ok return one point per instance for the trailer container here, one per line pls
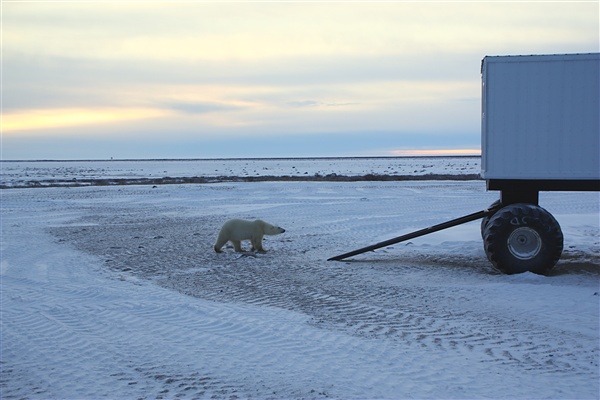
(540, 123)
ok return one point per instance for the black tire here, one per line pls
(523, 237)
(484, 222)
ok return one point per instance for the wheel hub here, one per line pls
(524, 243)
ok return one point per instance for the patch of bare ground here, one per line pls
(225, 179)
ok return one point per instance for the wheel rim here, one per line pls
(524, 243)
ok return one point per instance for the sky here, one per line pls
(201, 79)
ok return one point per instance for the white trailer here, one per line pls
(540, 131)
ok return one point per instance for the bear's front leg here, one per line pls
(257, 245)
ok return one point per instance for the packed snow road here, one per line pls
(116, 292)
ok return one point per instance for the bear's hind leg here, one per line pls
(221, 240)
(218, 245)
(237, 245)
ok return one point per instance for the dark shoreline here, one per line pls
(224, 179)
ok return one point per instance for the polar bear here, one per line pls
(236, 230)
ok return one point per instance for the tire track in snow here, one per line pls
(393, 314)
(415, 300)
(406, 313)
(112, 346)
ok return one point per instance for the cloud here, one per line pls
(314, 103)
(49, 119)
(210, 71)
(199, 108)
(303, 103)
(234, 32)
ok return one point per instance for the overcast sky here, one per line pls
(140, 79)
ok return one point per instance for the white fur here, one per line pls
(236, 230)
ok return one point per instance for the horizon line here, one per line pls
(433, 155)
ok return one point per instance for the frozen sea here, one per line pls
(114, 291)
(85, 173)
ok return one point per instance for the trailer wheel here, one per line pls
(486, 220)
(523, 237)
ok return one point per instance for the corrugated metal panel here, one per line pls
(540, 117)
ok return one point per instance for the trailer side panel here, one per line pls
(540, 117)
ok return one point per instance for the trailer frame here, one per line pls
(422, 232)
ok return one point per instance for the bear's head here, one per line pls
(273, 230)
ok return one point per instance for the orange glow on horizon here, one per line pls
(62, 118)
(438, 152)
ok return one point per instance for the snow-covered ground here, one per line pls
(115, 292)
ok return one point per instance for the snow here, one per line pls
(115, 292)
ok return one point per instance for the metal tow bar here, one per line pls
(422, 232)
